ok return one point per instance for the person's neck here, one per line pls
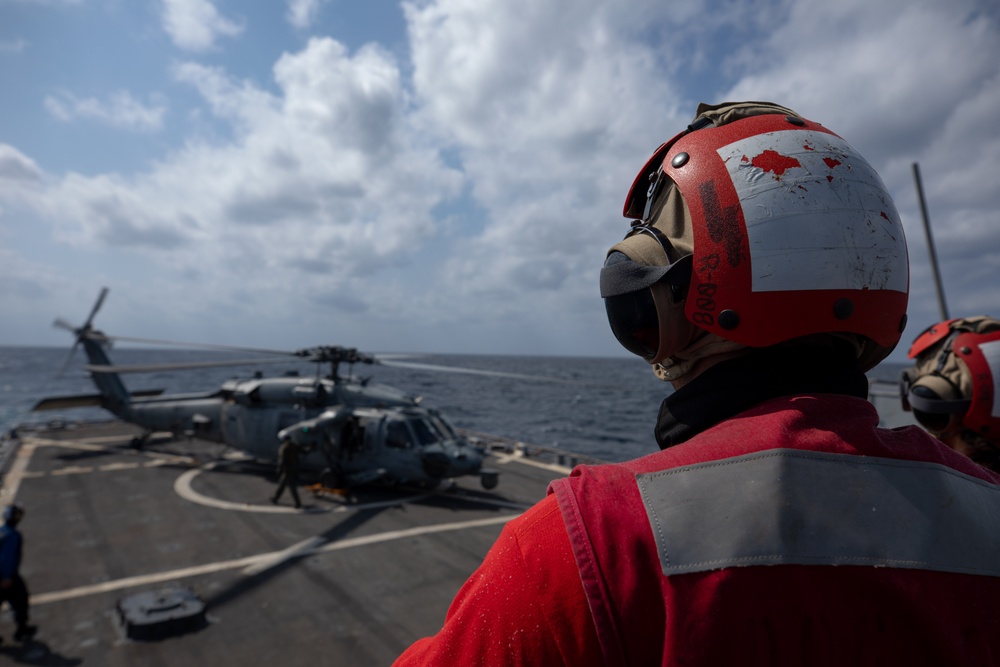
(738, 384)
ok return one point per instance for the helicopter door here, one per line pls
(286, 419)
(397, 435)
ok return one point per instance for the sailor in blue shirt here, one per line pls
(12, 588)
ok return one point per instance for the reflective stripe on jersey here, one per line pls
(815, 218)
(991, 352)
(787, 506)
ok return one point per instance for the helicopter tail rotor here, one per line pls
(79, 332)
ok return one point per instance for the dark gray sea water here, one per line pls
(611, 419)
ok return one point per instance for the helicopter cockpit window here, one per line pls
(397, 435)
(425, 433)
(443, 427)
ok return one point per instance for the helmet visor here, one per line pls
(629, 301)
(634, 322)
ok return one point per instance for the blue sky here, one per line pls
(438, 175)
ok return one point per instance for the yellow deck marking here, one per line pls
(518, 457)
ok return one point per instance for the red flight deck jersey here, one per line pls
(794, 533)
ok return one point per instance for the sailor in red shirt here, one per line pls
(765, 270)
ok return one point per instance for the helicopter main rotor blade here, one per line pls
(60, 323)
(97, 307)
(206, 346)
(502, 374)
(156, 368)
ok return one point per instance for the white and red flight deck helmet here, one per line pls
(756, 226)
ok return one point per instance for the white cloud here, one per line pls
(322, 187)
(302, 13)
(194, 25)
(17, 168)
(551, 108)
(120, 110)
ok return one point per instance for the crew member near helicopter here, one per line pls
(12, 586)
(345, 444)
(288, 471)
(766, 270)
(953, 386)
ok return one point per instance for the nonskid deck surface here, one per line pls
(336, 583)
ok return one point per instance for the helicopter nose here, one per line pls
(436, 464)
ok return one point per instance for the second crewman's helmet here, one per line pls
(954, 383)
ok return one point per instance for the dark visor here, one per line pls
(625, 286)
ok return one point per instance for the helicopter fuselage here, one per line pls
(400, 441)
(355, 430)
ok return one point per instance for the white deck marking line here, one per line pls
(211, 568)
(12, 481)
(121, 466)
(183, 488)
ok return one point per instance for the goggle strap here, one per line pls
(660, 237)
(654, 187)
(657, 182)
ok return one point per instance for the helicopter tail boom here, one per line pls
(114, 397)
(85, 400)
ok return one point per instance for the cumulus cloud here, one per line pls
(321, 183)
(120, 110)
(547, 125)
(194, 25)
(302, 13)
(16, 167)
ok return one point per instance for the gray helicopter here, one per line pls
(350, 431)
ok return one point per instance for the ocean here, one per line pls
(608, 412)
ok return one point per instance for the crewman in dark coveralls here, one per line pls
(288, 471)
